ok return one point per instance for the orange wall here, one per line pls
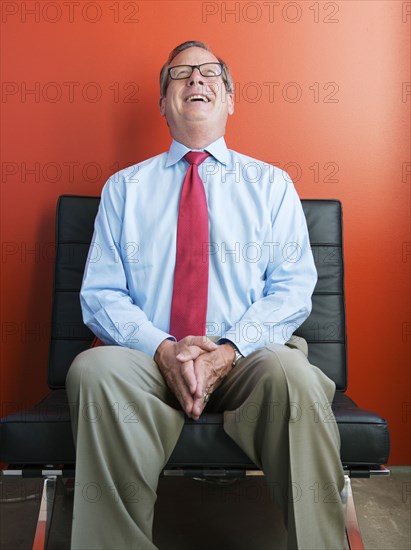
(320, 85)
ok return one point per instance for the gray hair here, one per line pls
(164, 78)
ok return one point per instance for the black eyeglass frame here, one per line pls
(221, 65)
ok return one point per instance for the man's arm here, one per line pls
(108, 309)
(289, 279)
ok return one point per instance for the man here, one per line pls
(159, 278)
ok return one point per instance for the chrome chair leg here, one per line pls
(45, 514)
(351, 522)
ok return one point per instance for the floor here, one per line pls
(193, 514)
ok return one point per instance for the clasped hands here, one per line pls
(192, 367)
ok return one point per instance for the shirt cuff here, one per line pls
(150, 338)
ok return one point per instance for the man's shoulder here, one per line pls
(236, 156)
(131, 172)
(257, 170)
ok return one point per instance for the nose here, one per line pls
(195, 78)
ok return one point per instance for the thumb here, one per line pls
(189, 353)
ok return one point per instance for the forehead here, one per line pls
(194, 56)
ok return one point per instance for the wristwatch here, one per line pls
(237, 354)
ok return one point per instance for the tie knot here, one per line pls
(196, 157)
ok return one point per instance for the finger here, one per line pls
(198, 407)
(201, 341)
(184, 397)
(199, 368)
(190, 353)
(187, 404)
(178, 386)
(189, 376)
(204, 343)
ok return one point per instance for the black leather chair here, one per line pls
(38, 441)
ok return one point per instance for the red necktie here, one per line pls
(190, 291)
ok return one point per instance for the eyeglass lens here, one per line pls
(185, 71)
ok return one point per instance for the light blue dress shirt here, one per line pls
(261, 269)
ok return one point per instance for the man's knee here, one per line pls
(107, 367)
(265, 370)
(94, 366)
(272, 362)
(283, 366)
(302, 378)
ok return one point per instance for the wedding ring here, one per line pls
(206, 397)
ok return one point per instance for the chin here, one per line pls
(197, 117)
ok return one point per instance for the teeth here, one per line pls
(198, 97)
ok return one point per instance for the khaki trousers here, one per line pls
(126, 423)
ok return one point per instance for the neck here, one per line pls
(196, 138)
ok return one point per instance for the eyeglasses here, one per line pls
(209, 70)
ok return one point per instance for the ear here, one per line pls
(230, 100)
(162, 106)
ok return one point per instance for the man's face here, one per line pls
(197, 99)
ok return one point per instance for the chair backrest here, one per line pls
(324, 329)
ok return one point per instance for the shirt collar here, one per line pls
(218, 149)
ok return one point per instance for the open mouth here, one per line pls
(197, 97)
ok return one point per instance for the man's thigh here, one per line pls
(117, 367)
(284, 367)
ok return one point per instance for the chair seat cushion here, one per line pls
(42, 435)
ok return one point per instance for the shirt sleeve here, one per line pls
(290, 279)
(108, 309)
